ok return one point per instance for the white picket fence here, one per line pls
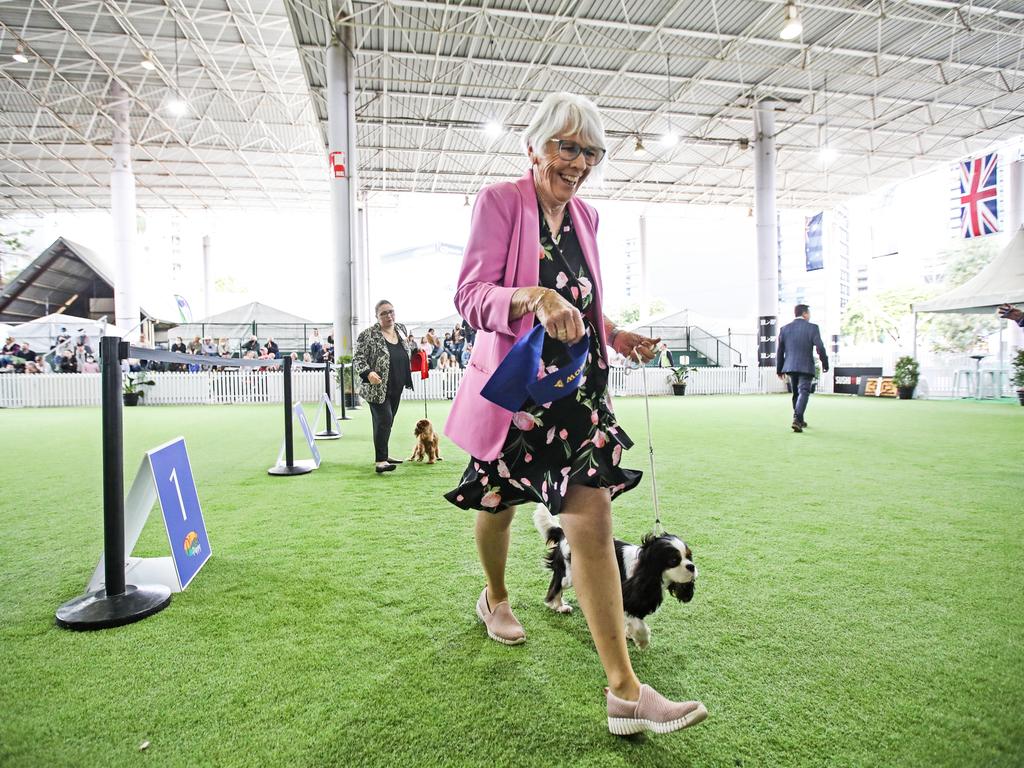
(253, 386)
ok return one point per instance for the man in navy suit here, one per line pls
(795, 356)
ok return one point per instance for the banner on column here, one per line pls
(766, 339)
(812, 242)
(314, 463)
(165, 475)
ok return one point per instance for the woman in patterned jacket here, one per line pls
(381, 360)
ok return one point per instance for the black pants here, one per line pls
(800, 383)
(383, 419)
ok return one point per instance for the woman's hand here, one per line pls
(373, 378)
(626, 342)
(561, 320)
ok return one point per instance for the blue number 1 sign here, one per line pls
(165, 475)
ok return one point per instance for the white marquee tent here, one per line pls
(42, 332)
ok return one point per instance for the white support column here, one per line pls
(341, 138)
(1015, 219)
(767, 229)
(362, 312)
(206, 276)
(644, 298)
(122, 208)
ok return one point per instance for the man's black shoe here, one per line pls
(797, 427)
(803, 424)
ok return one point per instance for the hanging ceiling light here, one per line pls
(19, 54)
(177, 107)
(793, 27)
(494, 128)
(638, 148)
(828, 154)
(147, 62)
(670, 138)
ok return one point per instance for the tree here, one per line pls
(12, 253)
(958, 333)
(631, 314)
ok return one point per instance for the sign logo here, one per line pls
(192, 547)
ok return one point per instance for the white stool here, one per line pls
(990, 385)
(963, 379)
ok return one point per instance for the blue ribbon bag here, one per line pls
(515, 379)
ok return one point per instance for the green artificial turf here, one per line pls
(859, 600)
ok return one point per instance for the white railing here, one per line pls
(249, 386)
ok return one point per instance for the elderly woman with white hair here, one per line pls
(532, 260)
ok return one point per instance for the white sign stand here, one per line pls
(313, 463)
(332, 423)
(141, 497)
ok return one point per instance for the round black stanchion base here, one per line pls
(96, 610)
(286, 471)
(327, 434)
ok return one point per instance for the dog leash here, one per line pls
(658, 530)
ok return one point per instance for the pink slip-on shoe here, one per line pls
(651, 712)
(501, 623)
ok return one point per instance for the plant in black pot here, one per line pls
(678, 378)
(132, 387)
(1018, 374)
(345, 379)
(905, 377)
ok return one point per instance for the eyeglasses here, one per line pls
(570, 150)
(386, 313)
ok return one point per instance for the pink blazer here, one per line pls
(503, 254)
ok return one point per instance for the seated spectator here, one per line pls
(467, 351)
(67, 362)
(90, 365)
(329, 348)
(265, 354)
(223, 347)
(306, 357)
(179, 346)
(469, 332)
(63, 336)
(443, 362)
(34, 367)
(208, 347)
(195, 346)
(316, 347)
(252, 344)
(272, 347)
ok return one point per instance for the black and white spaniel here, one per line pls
(659, 563)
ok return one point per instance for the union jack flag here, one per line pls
(979, 200)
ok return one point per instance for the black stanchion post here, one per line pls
(341, 383)
(117, 603)
(329, 432)
(355, 396)
(288, 468)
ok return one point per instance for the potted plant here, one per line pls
(132, 389)
(905, 377)
(678, 378)
(346, 382)
(1018, 374)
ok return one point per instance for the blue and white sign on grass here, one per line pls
(313, 463)
(165, 475)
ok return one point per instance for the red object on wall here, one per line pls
(338, 165)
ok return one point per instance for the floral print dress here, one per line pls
(571, 441)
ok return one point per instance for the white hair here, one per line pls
(566, 114)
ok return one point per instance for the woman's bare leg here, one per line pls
(586, 518)
(492, 538)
